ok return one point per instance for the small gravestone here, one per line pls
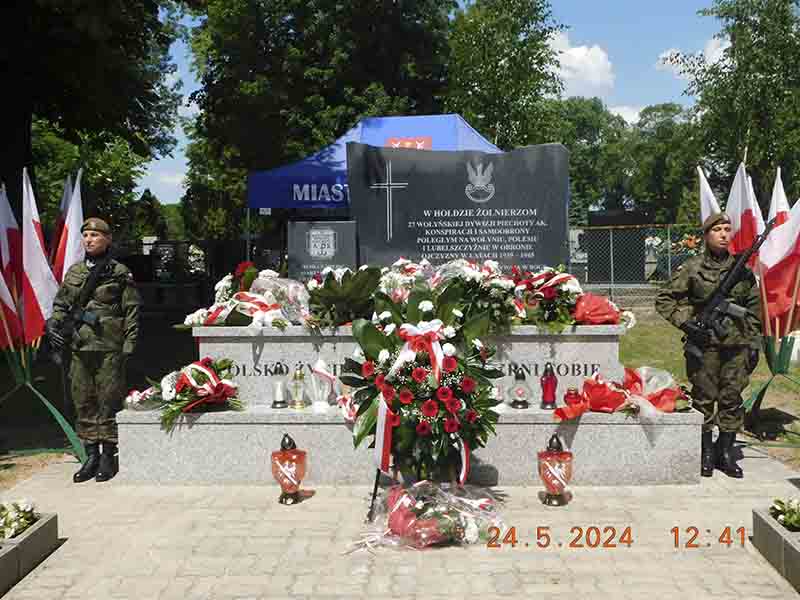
(316, 245)
(510, 207)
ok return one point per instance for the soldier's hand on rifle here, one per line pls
(695, 333)
(54, 336)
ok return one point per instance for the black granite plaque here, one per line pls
(511, 207)
(319, 244)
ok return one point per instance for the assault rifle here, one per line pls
(712, 320)
(76, 315)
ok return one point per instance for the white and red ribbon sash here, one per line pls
(213, 391)
(556, 280)
(383, 436)
(464, 473)
(249, 304)
(424, 337)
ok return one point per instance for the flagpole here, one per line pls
(763, 290)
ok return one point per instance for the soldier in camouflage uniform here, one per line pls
(724, 371)
(100, 346)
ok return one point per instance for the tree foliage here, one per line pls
(502, 68)
(92, 68)
(749, 100)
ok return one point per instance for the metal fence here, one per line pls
(629, 263)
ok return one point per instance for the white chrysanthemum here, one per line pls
(502, 283)
(426, 306)
(449, 332)
(385, 316)
(198, 317)
(383, 355)
(389, 329)
(458, 313)
(572, 286)
(168, 383)
(268, 274)
(223, 290)
(449, 349)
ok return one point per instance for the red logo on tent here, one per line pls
(412, 143)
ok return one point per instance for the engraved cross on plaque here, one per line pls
(389, 185)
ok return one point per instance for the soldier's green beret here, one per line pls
(715, 219)
(95, 224)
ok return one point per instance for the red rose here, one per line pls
(550, 293)
(453, 405)
(468, 385)
(423, 428)
(406, 397)
(419, 374)
(242, 267)
(449, 364)
(368, 369)
(182, 383)
(430, 408)
(388, 392)
(451, 425)
(379, 380)
(444, 394)
(317, 277)
(394, 419)
(471, 416)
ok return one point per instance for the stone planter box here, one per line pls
(778, 545)
(31, 547)
(234, 447)
(9, 567)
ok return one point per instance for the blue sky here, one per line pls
(611, 50)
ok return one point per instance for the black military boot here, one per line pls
(89, 469)
(725, 461)
(108, 462)
(707, 455)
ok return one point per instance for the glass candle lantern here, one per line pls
(297, 389)
(289, 469)
(549, 383)
(520, 392)
(555, 470)
(572, 397)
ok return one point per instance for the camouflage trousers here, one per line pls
(97, 384)
(717, 383)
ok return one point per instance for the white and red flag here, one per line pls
(66, 196)
(39, 286)
(11, 328)
(745, 214)
(780, 262)
(10, 243)
(69, 249)
(708, 202)
(779, 206)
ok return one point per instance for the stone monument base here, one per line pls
(235, 447)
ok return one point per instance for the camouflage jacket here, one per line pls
(691, 288)
(115, 302)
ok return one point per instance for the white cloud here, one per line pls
(713, 51)
(629, 113)
(585, 70)
(171, 179)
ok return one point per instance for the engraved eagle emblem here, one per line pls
(480, 188)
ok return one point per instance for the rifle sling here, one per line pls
(90, 285)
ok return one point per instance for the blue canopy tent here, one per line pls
(320, 180)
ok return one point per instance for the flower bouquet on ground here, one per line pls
(200, 386)
(422, 387)
(645, 392)
(16, 517)
(427, 514)
(787, 513)
(339, 296)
